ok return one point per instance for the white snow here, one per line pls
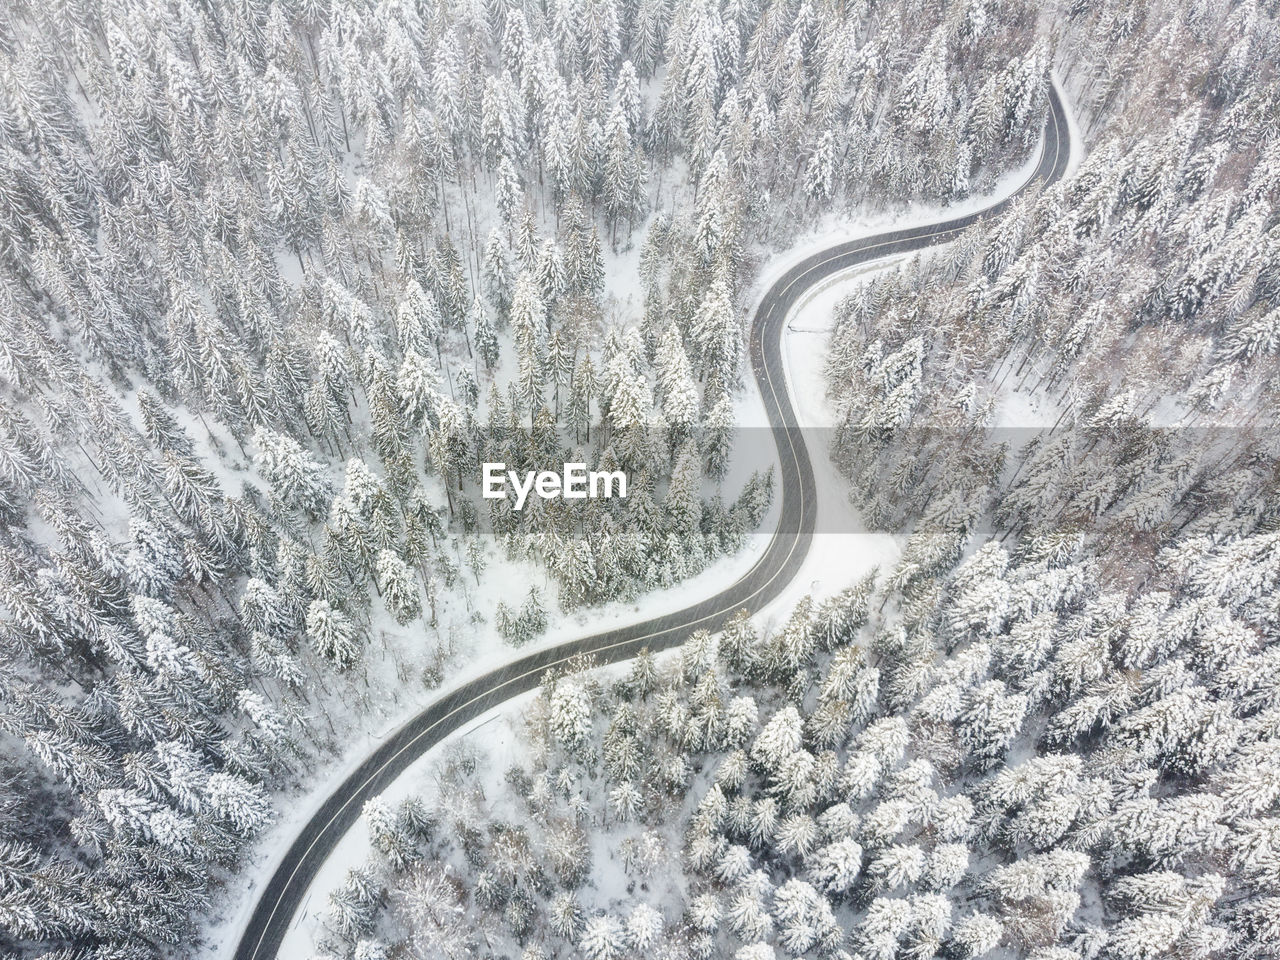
(1073, 125)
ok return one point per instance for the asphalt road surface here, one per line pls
(774, 570)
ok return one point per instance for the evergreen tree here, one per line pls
(332, 634)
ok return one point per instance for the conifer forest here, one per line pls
(927, 353)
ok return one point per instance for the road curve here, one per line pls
(780, 562)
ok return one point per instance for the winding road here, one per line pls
(781, 561)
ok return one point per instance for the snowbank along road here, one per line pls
(780, 562)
